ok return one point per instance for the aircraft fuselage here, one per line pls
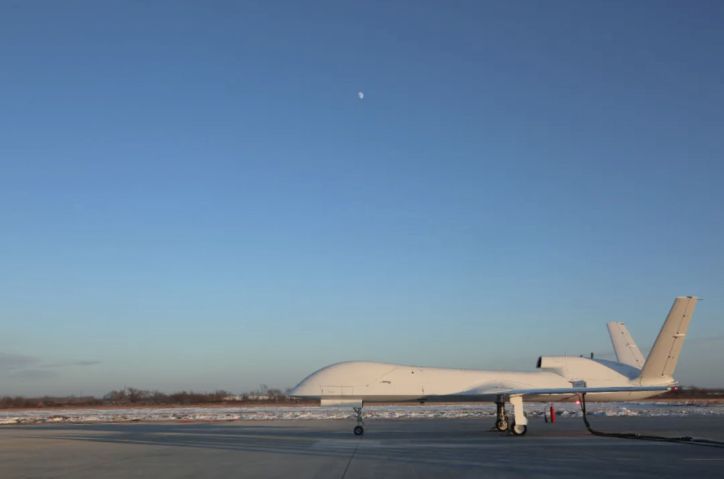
(378, 382)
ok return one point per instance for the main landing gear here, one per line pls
(501, 421)
(519, 426)
(520, 422)
(359, 428)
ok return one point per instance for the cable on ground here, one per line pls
(646, 437)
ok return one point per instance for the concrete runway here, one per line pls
(327, 449)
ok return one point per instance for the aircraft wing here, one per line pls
(494, 392)
(587, 390)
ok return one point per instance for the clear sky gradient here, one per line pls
(193, 196)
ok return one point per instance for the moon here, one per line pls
(361, 95)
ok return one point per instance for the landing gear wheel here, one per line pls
(502, 424)
(518, 430)
(358, 429)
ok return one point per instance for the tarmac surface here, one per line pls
(389, 448)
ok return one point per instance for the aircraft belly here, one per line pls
(391, 398)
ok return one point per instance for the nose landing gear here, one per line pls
(359, 428)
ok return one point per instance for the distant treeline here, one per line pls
(141, 397)
(693, 393)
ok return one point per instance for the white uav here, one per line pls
(358, 382)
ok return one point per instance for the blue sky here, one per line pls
(192, 195)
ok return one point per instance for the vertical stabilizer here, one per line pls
(623, 344)
(661, 362)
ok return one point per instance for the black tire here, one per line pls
(358, 430)
(502, 424)
(518, 430)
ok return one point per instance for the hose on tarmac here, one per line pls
(646, 437)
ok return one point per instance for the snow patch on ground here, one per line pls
(271, 413)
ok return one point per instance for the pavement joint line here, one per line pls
(350, 460)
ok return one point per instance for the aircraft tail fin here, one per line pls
(623, 344)
(661, 361)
